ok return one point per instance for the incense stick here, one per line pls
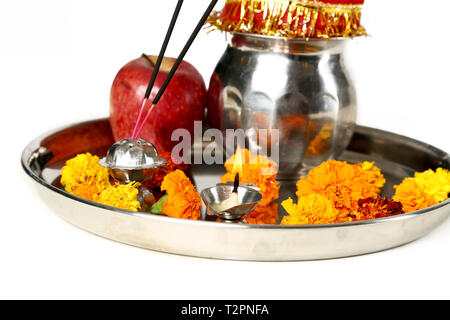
(178, 62)
(158, 64)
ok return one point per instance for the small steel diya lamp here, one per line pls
(232, 201)
(247, 199)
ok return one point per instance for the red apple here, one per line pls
(182, 103)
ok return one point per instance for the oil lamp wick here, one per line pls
(236, 183)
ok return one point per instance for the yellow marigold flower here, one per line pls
(311, 209)
(436, 184)
(342, 183)
(258, 170)
(122, 196)
(412, 196)
(183, 199)
(82, 176)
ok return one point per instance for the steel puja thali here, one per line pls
(397, 156)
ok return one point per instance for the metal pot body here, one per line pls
(299, 91)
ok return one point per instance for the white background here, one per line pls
(57, 62)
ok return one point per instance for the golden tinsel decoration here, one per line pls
(291, 19)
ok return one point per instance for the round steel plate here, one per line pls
(397, 156)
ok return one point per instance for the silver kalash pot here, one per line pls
(300, 87)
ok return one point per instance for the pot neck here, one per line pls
(252, 42)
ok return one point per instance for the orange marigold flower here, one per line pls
(311, 209)
(372, 208)
(342, 183)
(263, 215)
(183, 200)
(122, 196)
(258, 170)
(82, 176)
(412, 196)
